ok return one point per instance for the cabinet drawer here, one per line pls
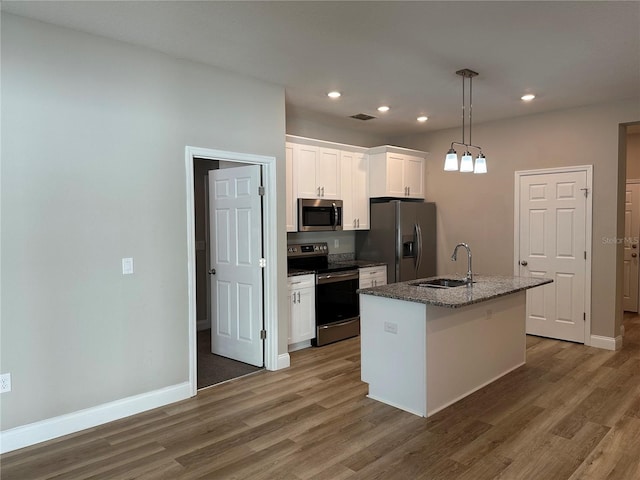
(301, 281)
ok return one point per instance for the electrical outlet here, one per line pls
(5, 382)
(391, 327)
(127, 266)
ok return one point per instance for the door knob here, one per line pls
(212, 271)
(634, 246)
(524, 263)
(634, 255)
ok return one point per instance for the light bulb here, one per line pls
(481, 164)
(451, 161)
(466, 163)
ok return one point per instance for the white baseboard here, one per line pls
(299, 346)
(607, 343)
(50, 428)
(284, 361)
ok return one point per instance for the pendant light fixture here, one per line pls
(466, 162)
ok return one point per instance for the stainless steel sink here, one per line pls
(441, 283)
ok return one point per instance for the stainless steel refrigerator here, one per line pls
(402, 235)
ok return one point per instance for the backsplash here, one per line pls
(341, 257)
(346, 240)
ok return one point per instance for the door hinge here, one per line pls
(261, 190)
(584, 316)
(586, 191)
(585, 254)
(262, 262)
(263, 334)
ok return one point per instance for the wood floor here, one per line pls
(573, 412)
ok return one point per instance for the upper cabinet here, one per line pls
(355, 190)
(396, 172)
(319, 169)
(316, 171)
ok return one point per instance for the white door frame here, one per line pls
(270, 252)
(588, 231)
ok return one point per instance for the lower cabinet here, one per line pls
(373, 276)
(302, 311)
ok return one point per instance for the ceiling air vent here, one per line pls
(362, 116)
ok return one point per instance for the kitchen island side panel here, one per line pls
(470, 347)
(393, 352)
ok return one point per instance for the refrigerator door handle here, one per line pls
(419, 246)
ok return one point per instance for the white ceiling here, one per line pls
(403, 54)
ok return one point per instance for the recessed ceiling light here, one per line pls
(422, 119)
(333, 94)
(383, 108)
(528, 97)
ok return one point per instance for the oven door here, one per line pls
(337, 306)
(315, 215)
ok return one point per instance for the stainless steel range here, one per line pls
(337, 303)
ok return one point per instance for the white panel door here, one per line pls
(631, 247)
(236, 276)
(552, 237)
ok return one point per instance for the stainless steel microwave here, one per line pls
(318, 215)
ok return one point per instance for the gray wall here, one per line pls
(93, 170)
(478, 209)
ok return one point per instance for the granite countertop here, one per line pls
(485, 287)
(358, 263)
(294, 272)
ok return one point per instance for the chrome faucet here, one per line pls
(455, 256)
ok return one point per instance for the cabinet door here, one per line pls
(305, 161)
(306, 319)
(302, 308)
(395, 175)
(291, 207)
(346, 186)
(360, 190)
(328, 173)
(414, 176)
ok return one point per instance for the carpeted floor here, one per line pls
(214, 369)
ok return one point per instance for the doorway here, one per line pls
(553, 215)
(631, 240)
(201, 161)
(215, 365)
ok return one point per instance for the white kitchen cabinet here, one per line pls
(302, 310)
(316, 171)
(355, 190)
(396, 172)
(291, 208)
(373, 276)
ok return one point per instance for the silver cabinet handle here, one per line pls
(409, 190)
(358, 223)
(298, 297)
(318, 189)
(524, 263)
(294, 297)
(323, 191)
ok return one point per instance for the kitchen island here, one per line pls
(424, 348)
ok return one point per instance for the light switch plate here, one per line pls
(127, 266)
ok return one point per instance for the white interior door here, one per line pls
(631, 247)
(235, 225)
(552, 244)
